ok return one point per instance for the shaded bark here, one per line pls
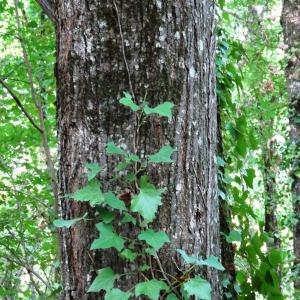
(291, 27)
(170, 50)
(227, 249)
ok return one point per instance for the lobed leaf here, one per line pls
(90, 193)
(163, 155)
(104, 281)
(155, 239)
(108, 238)
(94, 169)
(147, 201)
(198, 287)
(164, 110)
(150, 288)
(127, 101)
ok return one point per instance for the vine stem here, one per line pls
(123, 49)
(164, 275)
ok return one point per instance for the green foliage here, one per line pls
(163, 156)
(26, 202)
(164, 110)
(94, 169)
(150, 288)
(91, 193)
(155, 239)
(198, 287)
(127, 101)
(114, 202)
(67, 223)
(111, 148)
(252, 98)
(104, 280)
(211, 261)
(139, 209)
(148, 200)
(116, 294)
(108, 238)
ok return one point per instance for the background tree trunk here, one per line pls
(291, 28)
(227, 249)
(170, 51)
(269, 171)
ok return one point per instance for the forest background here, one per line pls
(254, 165)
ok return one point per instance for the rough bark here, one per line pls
(170, 50)
(291, 28)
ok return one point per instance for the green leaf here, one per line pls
(249, 178)
(274, 257)
(220, 162)
(212, 261)
(106, 215)
(116, 294)
(133, 157)
(122, 165)
(128, 218)
(150, 288)
(94, 169)
(198, 287)
(65, 223)
(188, 259)
(90, 193)
(104, 281)
(172, 297)
(163, 156)
(234, 236)
(155, 239)
(241, 146)
(221, 3)
(128, 254)
(114, 201)
(111, 148)
(130, 177)
(127, 101)
(108, 238)
(164, 110)
(144, 268)
(147, 201)
(150, 251)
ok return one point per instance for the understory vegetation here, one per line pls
(254, 160)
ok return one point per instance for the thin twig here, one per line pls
(17, 100)
(37, 103)
(123, 49)
(28, 269)
(164, 275)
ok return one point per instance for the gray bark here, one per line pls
(291, 28)
(48, 8)
(170, 50)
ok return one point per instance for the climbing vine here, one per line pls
(138, 206)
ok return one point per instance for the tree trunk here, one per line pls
(291, 28)
(169, 48)
(271, 224)
(227, 249)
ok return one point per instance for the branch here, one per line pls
(38, 104)
(48, 8)
(10, 91)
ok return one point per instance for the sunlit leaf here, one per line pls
(150, 288)
(104, 281)
(156, 239)
(163, 155)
